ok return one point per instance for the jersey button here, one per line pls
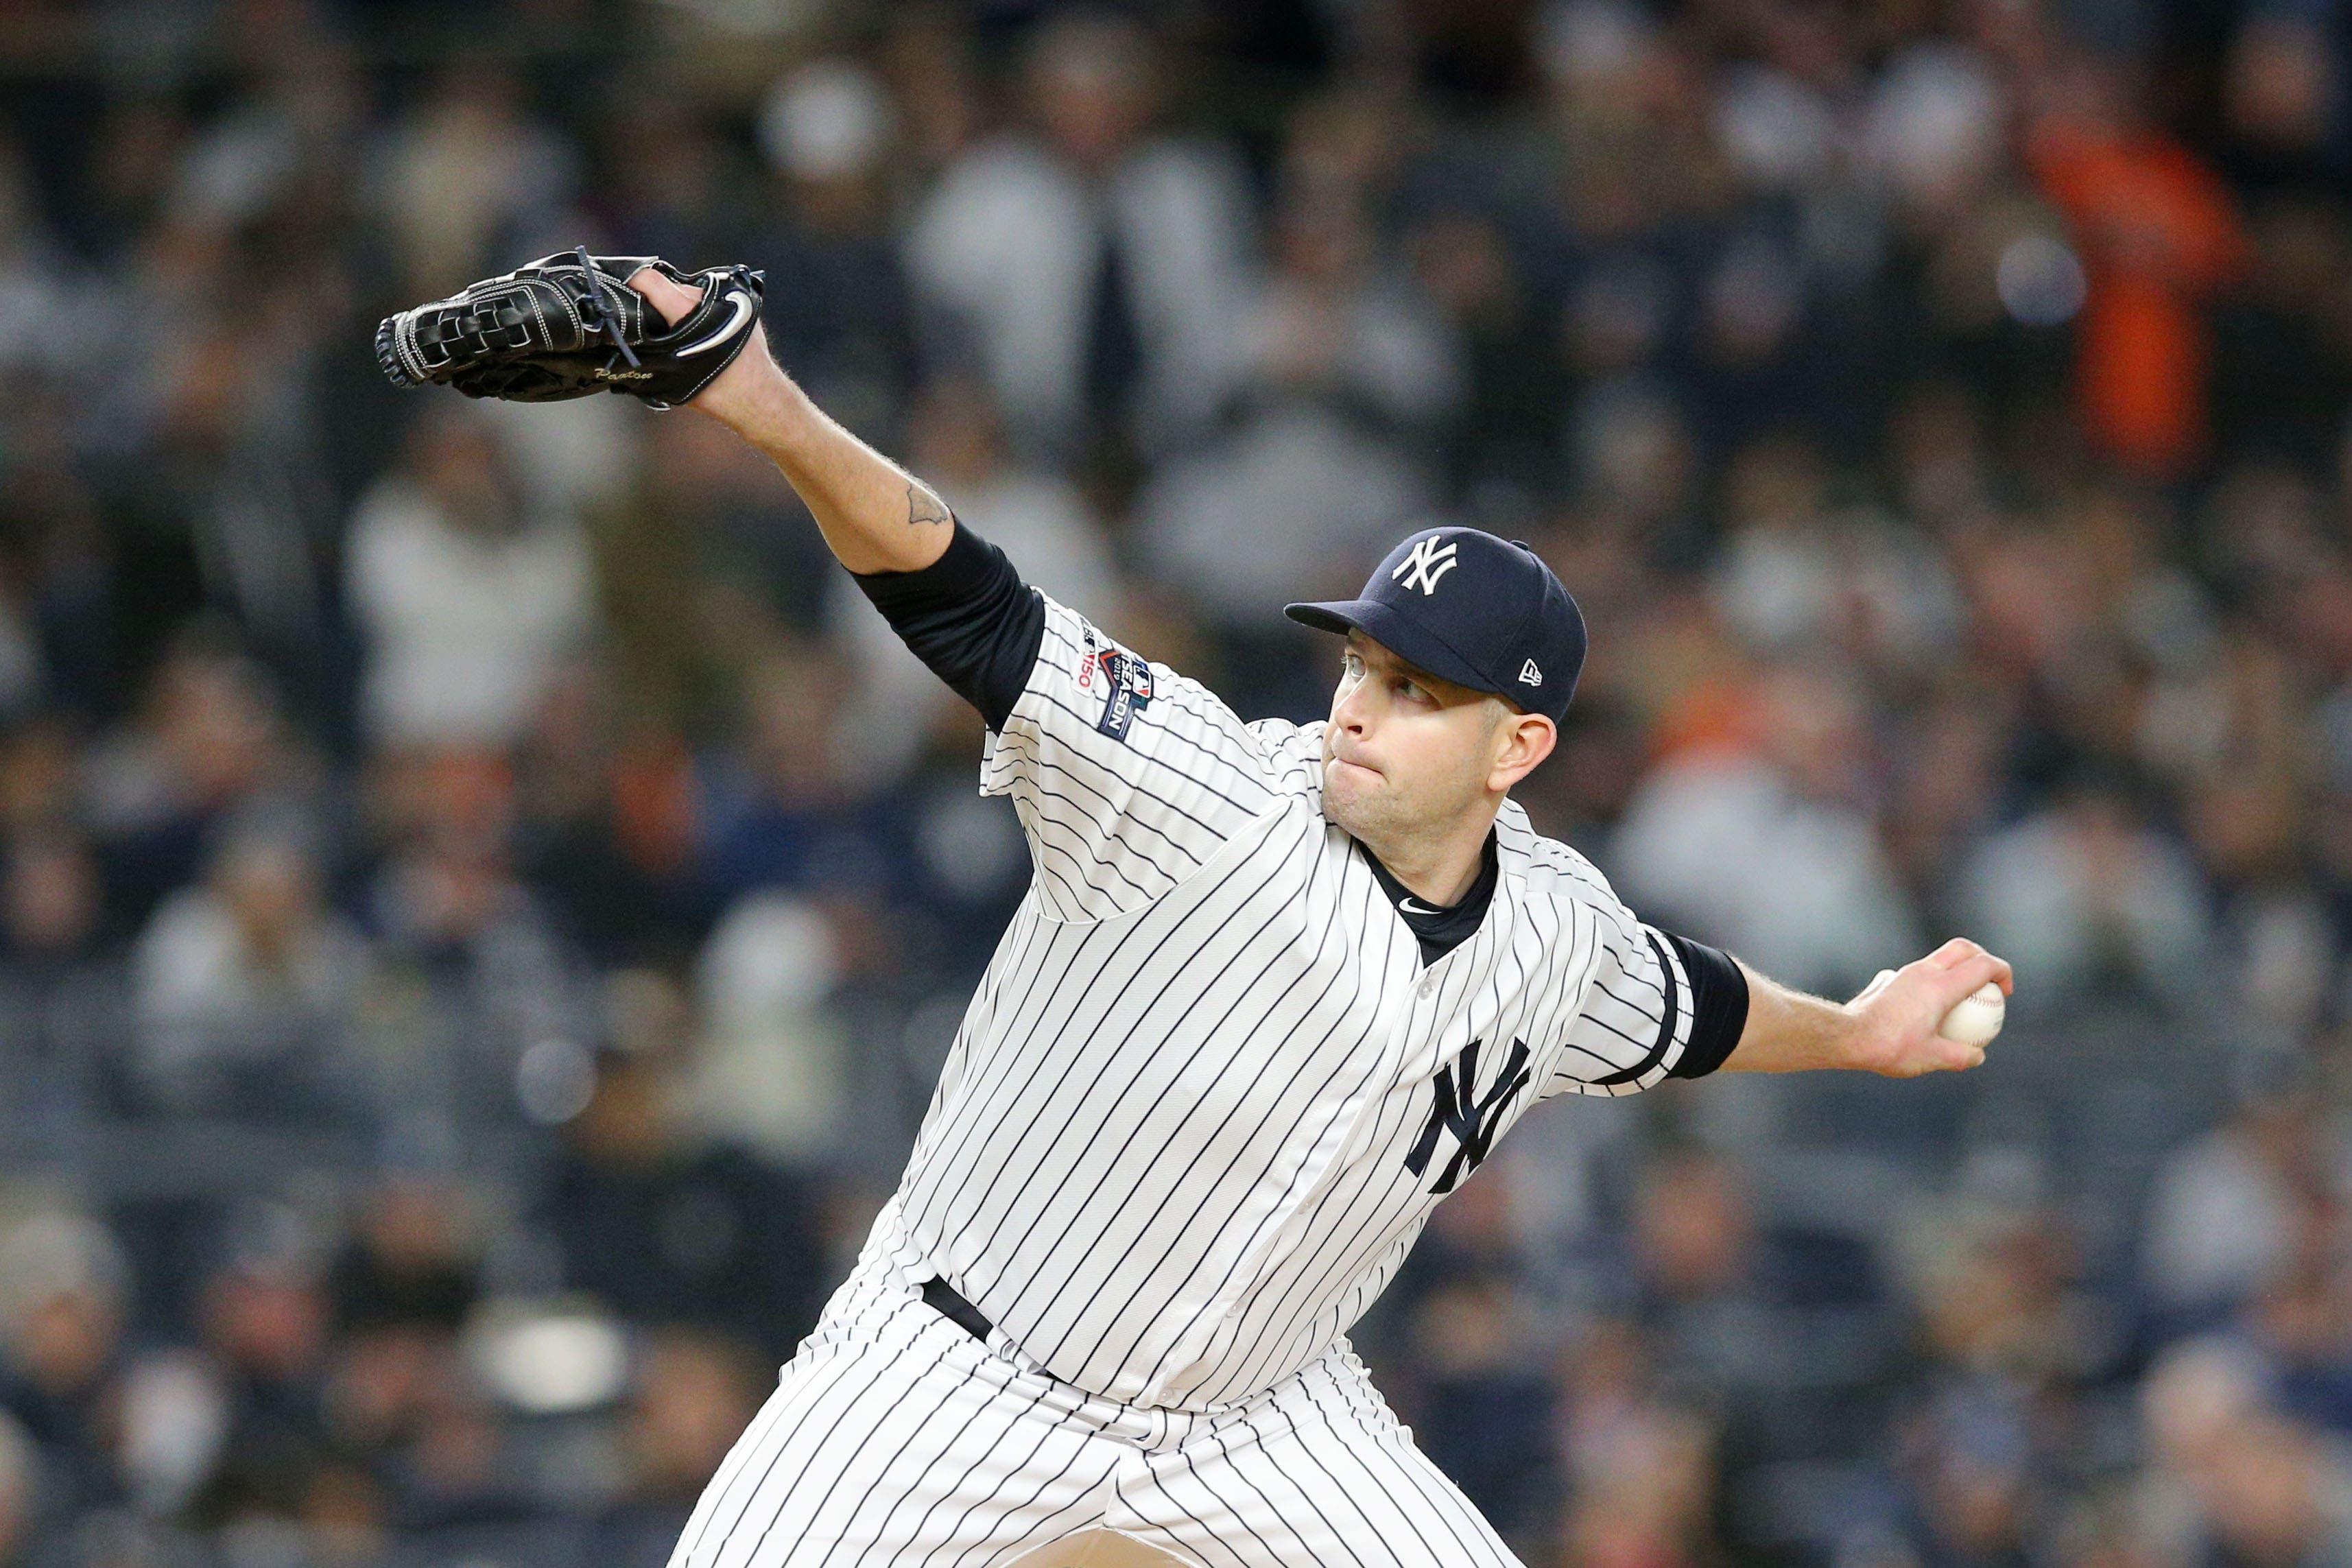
(1428, 985)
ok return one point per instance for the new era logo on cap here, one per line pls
(1529, 675)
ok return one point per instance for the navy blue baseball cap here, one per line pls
(1480, 612)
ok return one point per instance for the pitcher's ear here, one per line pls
(1531, 737)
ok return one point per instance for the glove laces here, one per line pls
(595, 314)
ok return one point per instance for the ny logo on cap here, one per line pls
(1428, 563)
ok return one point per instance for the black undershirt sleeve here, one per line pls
(1718, 1004)
(969, 617)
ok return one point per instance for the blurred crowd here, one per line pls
(483, 902)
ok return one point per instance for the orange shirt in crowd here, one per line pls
(2158, 235)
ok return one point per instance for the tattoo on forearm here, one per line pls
(923, 507)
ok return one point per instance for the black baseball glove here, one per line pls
(565, 326)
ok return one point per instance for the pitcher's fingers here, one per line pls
(1992, 967)
(1960, 950)
(1965, 979)
(673, 300)
(1952, 1056)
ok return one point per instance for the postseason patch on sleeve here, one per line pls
(1127, 683)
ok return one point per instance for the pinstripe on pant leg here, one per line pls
(1317, 1473)
(801, 1390)
(1010, 1471)
(909, 1447)
(1352, 1399)
(854, 1378)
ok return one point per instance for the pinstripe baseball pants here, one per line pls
(895, 1440)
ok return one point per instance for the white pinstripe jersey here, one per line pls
(1207, 1094)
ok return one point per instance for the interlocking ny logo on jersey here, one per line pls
(1471, 1120)
(1428, 563)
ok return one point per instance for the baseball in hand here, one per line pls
(1976, 1017)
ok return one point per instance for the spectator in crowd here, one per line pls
(668, 1232)
(2089, 887)
(2141, 373)
(605, 819)
(2232, 1479)
(1091, 267)
(787, 813)
(264, 1318)
(772, 1068)
(211, 743)
(1636, 1469)
(51, 903)
(410, 1265)
(468, 594)
(2225, 1208)
(1812, 892)
(64, 1299)
(2300, 1324)
(1968, 1495)
(486, 974)
(247, 986)
(55, 998)
(840, 309)
(469, 175)
(1343, 356)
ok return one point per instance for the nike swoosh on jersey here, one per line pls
(740, 303)
(1409, 907)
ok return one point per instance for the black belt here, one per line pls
(943, 1298)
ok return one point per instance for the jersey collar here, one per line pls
(1440, 930)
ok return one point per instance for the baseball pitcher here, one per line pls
(1274, 992)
